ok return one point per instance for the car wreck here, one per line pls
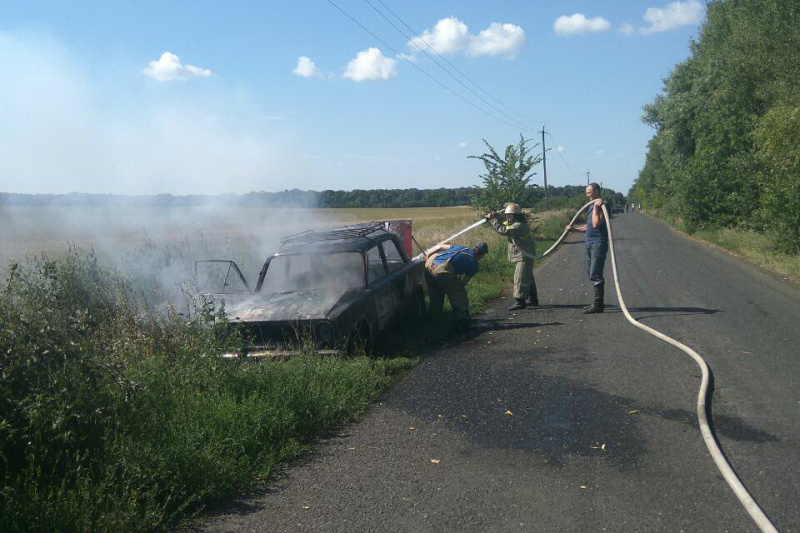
(338, 289)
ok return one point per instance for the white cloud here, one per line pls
(370, 64)
(560, 148)
(79, 138)
(578, 23)
(168, 67)
(450, 35)
(407, 57)
(626, 29)
(462, 144)
(600, 151)
(497, 39)
(673, 16)
(306, 68)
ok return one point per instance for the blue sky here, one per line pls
(192, 97)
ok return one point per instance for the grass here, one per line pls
(495, 272)
(116, 413)
(753, 247)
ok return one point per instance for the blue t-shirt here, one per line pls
(598, 234)
(462, 263)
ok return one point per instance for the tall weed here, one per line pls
(116, 413)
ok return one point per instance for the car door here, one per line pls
(379, 286)
(402, 284)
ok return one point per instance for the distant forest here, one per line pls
(726, 152)
(558, 197)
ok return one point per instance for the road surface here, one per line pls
(550, 420)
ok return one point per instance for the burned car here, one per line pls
(337, 288)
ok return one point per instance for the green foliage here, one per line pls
(726, 139)
(778, 138)
(118, 415)
(507, 177)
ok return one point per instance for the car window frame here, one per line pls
(400, 254)
(265, 269)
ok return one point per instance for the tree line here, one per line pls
(531, 196)
(726, 152)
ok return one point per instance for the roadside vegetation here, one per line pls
(116, 413)
(752, 246)
(495, 273)
(725, 159)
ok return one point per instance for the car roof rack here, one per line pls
(354, 231)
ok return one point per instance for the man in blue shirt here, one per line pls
(448, 269)
(596, 246)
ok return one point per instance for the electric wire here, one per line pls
(413, 40)
(571, 170)
(745, 498)
(435, 80)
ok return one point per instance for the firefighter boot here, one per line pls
(519, 305)
(598, 306)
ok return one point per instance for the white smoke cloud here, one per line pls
(62, 131)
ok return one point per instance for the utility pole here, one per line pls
(544, 166)
(587, 177)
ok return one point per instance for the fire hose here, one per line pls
(745, 498)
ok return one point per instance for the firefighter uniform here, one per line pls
(521, 251)
(447, 273)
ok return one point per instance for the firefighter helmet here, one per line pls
(512, 208)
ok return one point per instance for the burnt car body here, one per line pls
(337, 288)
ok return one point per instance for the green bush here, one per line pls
(117, 414)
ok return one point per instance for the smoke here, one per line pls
(69, 122)
(156, 247)
(108, 128)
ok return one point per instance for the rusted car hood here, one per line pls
(312, 304)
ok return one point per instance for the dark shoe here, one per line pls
(463, 326)
(598, 306)
(519, 305)
(534, 296)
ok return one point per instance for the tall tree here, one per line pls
(506, 178)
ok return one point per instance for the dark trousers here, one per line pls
(596, 261)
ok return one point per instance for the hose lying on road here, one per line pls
(724, 467)
(750, 505)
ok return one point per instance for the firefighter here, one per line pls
(521, 250)
(448, 269)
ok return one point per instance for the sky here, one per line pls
(201, 97)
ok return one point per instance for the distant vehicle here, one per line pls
(340, 288)
(617, 209)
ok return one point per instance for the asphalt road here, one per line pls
(550, 420)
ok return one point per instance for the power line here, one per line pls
(417, 36)
(571, 170)
(387, 45)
